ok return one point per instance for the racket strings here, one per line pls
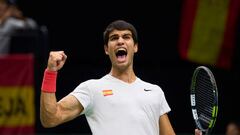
(205, 98)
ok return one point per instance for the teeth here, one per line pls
(121, 49)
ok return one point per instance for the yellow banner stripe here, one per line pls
(208, 31)
(17, 106)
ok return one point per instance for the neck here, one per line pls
(127, 75)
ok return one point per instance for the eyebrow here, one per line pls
(125, 34)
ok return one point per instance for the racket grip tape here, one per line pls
(49, 81)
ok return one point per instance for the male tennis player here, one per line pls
(119, 103)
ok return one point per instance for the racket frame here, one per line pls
(193, 100)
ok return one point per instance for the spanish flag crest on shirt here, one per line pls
(107, 92)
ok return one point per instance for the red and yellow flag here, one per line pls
(17, 113)
(107, 92)
(208, 31)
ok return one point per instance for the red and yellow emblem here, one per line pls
(107, 92)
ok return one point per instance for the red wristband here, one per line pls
(49, 81)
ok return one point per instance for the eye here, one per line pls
(127, 36)
(112, 38)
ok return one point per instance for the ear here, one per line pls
(135, 48)
(106, 49)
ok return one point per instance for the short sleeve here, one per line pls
(164, 107)
(83, 95)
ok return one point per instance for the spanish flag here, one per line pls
(17, 109)
(208, 31)
(107, 92)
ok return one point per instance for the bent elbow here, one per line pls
(48, 124)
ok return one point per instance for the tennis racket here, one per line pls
(204, 99)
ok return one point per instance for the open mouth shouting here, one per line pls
(121, 54)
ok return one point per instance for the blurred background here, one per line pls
(174, 38)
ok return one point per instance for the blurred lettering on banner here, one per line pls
(17, 111)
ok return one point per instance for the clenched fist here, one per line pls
(56, 60)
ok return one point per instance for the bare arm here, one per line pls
(165, 126)
(53, 113)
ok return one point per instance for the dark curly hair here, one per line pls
(119, 25)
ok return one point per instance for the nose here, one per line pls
(120, 41)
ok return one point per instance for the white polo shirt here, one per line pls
(114, 107)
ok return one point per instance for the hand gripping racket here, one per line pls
(204, 99)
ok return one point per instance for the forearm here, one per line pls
(48, 109)
(48, 102)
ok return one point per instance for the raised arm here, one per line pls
(53, 113)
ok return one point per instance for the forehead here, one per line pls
(120, 32)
